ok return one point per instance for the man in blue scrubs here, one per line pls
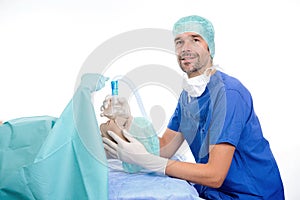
(215, 115)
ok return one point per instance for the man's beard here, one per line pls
(197, 65)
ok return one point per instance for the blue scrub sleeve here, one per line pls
(175, 119)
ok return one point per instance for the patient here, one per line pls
(139, 127)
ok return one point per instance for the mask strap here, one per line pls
(209, 70)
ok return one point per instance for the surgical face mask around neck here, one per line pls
(196, 86)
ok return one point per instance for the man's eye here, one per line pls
(196, 40)
(178, 42)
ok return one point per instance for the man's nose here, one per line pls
(186, 46)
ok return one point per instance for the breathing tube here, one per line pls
(130, 84)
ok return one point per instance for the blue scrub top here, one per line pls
(224, 114)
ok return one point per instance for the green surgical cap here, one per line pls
(142, 130)
(198, 25)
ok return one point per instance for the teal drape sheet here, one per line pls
(54, 158)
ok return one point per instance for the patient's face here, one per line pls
(111, 125)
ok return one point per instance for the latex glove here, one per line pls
(109, 152)
(117, 108)
(93, 82)
(133, 152)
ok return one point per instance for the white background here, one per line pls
(43, 45)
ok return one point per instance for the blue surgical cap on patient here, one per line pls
(198, 25)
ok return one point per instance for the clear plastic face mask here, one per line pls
(116, 109)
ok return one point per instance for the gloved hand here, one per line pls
(93, 82)
(133, 152)
(114, 106)
(117, 108)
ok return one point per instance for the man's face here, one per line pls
(192, 53)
